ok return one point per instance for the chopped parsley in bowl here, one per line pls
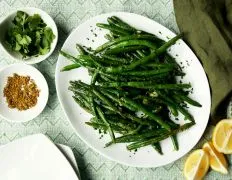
(30, 35)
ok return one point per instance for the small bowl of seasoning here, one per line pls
(23, 92)
(28, 35)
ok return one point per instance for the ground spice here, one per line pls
(21, 92)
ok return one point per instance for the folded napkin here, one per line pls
(207, 25)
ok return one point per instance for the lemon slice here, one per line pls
(196, 165)
(217, 160)
(222, 136)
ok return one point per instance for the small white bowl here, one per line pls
(7, 23)
(14, 115)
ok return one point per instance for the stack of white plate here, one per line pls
(36, 157)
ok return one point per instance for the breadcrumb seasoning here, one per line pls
(21, 92)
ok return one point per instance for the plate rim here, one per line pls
(89, 144)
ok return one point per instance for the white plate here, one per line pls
(25, 70)
(34, 157)
(145, 157)
(68, 153)
(7, 22)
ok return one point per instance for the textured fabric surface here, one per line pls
(52, 122)
(208, 29)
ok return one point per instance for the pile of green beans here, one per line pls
(133, 89)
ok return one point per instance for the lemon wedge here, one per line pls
(217, 160)
(222, 136)
(196, 165)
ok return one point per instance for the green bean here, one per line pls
(81, 50)
(116, 92)
(127, 115)
(145, 59)
(152, 101)
(173, 110)
(115, 58)
(113, 28)
(104, 127)
(121, 24)
(140, 53)
(124, 38)
(128, 128)
(153, 140)
(188, 100)
(119, 101)
(156, 78)
(172, 124)
(109, 37)
(112, 106)
(137, 137)
(135, 42)
(170, 60)
(145, 85)
(115, 35)
(185, 113)
(107, 62)
(170, 106)
(133, 87)
(106, 100)
(82, 96)
(160, 65)
(106, 107)
(117, 118)
(135, 55)
(135, 131)
(102, 116)
(70, 67)
(68, 56)
(78, 86)
(142, 108)
(138, 120)
(158, 148)
(82, 104)
(121, 50)
(103, 78)
(147, 72)
(94, 78)
(109, 76)
(94, 61)
(175, 142)
(97, 125)
(82, 60)
(178, 107)
(93, 106)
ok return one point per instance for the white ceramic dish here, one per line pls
(25, 70)
(7, 22)
(68, 153)
(34, 157)
(144, 157)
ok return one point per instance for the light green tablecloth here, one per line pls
(52, 122)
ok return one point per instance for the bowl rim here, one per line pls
(55, 31)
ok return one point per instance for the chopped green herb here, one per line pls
(29, 35)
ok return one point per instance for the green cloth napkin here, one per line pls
(207, 25)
